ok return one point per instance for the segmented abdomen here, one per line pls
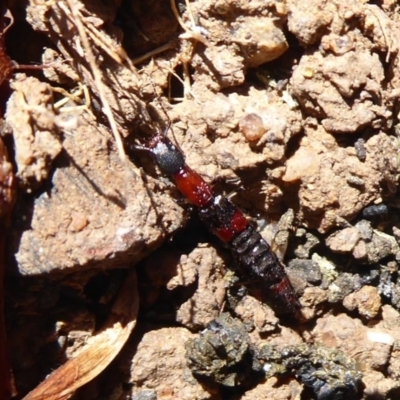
(255, 257)
(252, 253)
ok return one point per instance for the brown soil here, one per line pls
(292, 105)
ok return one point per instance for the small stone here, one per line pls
(366, 300)
(307, 270)
(365, 229)
(256, 315)
(396, 233)
(381, 246)
(360, 250)
(327, 268)
(303, 250)
(375, 210)
(252, 127)
(260, 39)
(303, 163)
(343, 241)
(78, 222)
(345, 284)
(310, 300)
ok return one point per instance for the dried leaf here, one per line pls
(99, 351)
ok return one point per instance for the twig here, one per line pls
(189, 33)
(150, 54)
(77, 20)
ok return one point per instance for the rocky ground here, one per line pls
(292, 108)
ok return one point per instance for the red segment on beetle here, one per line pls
(228, 232)
(193, 186)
